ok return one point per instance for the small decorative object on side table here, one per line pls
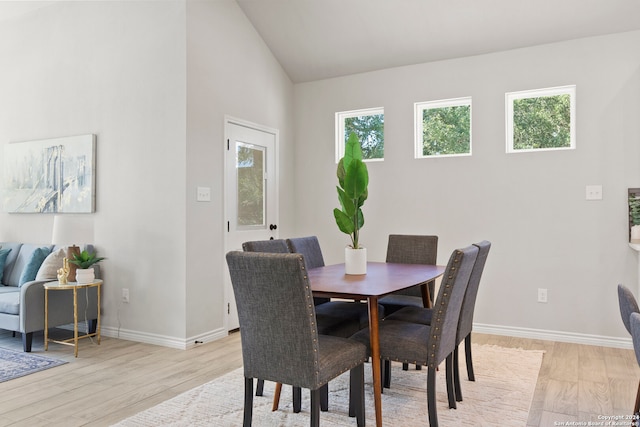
(63, 273)
(84, 262)
(57, 286)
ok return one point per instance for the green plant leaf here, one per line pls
(85, 259)
(347, 203)
(356, 179)
(345, 224)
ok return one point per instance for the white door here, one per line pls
(251, 192)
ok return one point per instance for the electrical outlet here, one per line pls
(125, 295)
(594, 192)
(542, 295)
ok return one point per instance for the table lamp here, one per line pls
(70, 230)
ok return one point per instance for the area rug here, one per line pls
(501, 395)
(15, 364)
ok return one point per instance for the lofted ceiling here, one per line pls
(318, 39)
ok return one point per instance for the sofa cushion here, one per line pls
(10, 302)
(10, 262)
(4, 253)
(52, 263)
(33, 265)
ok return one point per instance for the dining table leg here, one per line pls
(426, 295)
(375, 357)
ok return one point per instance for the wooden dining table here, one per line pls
(381, 279)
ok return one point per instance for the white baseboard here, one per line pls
(166, 341)
(541, 334)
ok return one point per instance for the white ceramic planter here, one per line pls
(355, 260)
(85, 275)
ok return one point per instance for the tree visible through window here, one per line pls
(368, 125)
(443, 128)
(541, 119)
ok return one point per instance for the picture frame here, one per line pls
(50, 176)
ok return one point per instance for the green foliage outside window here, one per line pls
(370, 131)
(542, 122)
(250, 169)
(446, 130)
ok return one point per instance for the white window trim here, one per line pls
(418, 109)
(536, 93)
(340, 118)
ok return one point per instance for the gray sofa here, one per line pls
(22, 306)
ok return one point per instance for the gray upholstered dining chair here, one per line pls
(465, 324)
(278, 246)
(410, 249)
(429, 345)
(629, 310)
(275, 246)
(331, 320)
(628, 305)
(277, 323)
(634, 321)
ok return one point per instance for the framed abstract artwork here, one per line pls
(50, 176)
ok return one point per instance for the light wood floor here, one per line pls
(119, 378)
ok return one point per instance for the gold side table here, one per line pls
(73, 286)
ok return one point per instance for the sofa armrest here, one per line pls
(32, 306)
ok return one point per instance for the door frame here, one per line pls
(231, 120)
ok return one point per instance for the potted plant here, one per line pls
(634, 216)
(84, 261)
(353, 180)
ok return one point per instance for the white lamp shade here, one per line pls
(72, 230)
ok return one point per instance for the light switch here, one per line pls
(594, 192)
(203, 194)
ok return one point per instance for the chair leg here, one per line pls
(467, 352)
(431, 397)
(418, 367)
(386, 373)
(260, 388)
(297, 399)
(636, 408)
(248, 402)
(456, 375)
(450, 387)
(315, 407)
(405, 366)
(324, 397)
(356, 394)
(276, 397)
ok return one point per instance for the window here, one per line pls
(368, 125)
(443, 128)
(542, 119)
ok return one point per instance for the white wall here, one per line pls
(153, 80)
(531, 206)
(115, 69)
(230, 71)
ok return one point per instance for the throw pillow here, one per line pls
(52, 263)
(4, 253)
(31, 270)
